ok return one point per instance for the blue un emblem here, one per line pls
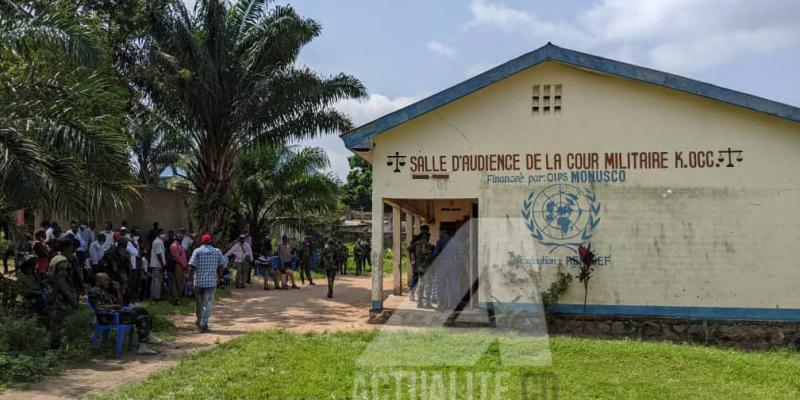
(561, 215)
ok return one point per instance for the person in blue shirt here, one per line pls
(205, 270)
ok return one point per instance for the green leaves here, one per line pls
(357, 191)
(280, 187)
(228, 74)
(60, 114)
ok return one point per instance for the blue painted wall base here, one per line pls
(727, 313)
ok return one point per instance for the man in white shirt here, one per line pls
(48, 231)
(81, 247)
(109, 232)
(243, 254)
(96, 253)
(136, 272)
(87, 236)
(186, 242)
(158, 261)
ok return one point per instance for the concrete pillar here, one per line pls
(409, 234)
(377, 253)
(397, 252)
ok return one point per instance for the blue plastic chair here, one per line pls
(105, 329)
(276, 262)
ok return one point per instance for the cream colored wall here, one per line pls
(719, 237)
(458, 210)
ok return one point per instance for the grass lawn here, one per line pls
(283, 365)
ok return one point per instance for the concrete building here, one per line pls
(687, 192)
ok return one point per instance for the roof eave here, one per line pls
(360, 137)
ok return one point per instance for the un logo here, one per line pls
(561, 215)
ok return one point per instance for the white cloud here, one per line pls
(440, 49)
(498, 15)
(675, 35)
(375, 106)
(360, 112)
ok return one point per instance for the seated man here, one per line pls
(286, 275)
(107, 296)
(263, 264)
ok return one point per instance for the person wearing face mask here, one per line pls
(158, 262)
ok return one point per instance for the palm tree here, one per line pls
(61, 146)
(156, 143)
(280, 188)
(228, 72)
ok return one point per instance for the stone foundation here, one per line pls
(745, 334)
(728, 333)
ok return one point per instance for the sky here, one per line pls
(406, 50)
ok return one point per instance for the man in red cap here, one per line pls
(205, 269)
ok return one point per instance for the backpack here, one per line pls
(58, 258)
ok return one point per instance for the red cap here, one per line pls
(117, 235)
(206, 238)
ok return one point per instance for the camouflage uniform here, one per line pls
(329, 261)
(423, 257)
(62, 295)
(359, 256)
(304, 259)
(341, 257)
(138, 316)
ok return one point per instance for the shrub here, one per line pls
(77, 335)
(23, 336)
(25, 368)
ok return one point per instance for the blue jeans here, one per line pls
(203, 298)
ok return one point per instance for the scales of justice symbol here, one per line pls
(561, 215)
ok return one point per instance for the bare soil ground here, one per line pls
(245, 310)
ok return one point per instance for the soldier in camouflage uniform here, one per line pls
(304, 259)
(107, 296)
(62, 294)
(329, 261)
(341, 257)
(423, 257)
(359, 256)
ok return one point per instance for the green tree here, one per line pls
(357, 191)
(280, 187)
(156, 143)
(63, 149)
(228, 73)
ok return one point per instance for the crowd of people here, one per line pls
(116, 267)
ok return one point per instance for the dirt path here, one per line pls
(245, 310)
